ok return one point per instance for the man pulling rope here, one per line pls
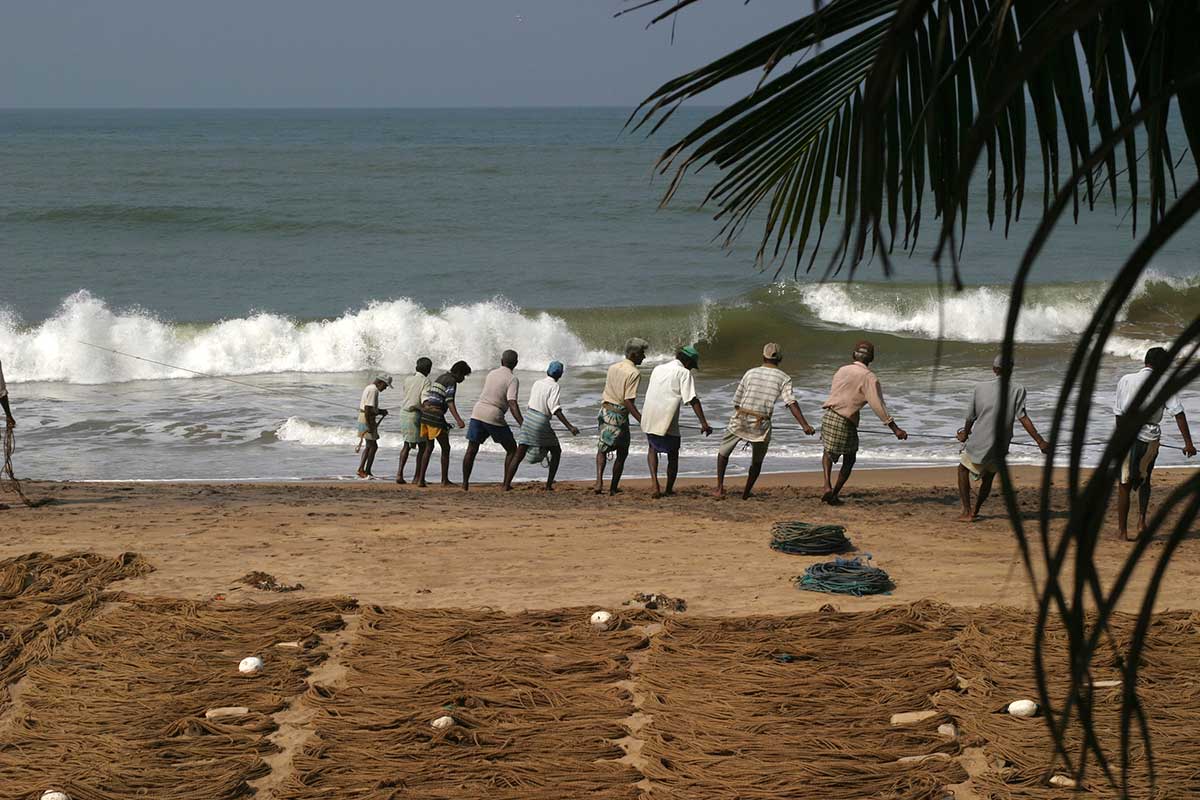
(10, 445)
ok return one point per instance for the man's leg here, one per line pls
(424, 448)
(618, 468)
(444, 444)
(843, 476)
(510, 466)
(510, 454)
(601, 461)
(672, 471)
(555, 457)
(652, 461)
(469, 464)
(964, 493)
(369, 456)
(985, 488)
(760, 455)
(722, 463)
(1123, 510)
(1143, 504)
(362, 461)
(827, 468)
(403, 462)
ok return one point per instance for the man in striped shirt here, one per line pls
(753, 404)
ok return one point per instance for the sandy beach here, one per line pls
(438, 548)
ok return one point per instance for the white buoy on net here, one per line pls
(1064, 782)
(1022, 708)
(443, 722)
(602, 620)
(250, 665)
(54, 794)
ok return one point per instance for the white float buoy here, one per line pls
(1064, 782)
(250, 665)
(601, 620)
(444, 722)
(1022, 708)
(949, 730)
(54, 794)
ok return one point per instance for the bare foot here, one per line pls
(599, 488)
(363, 474)
(422, 484)
(506, 488)
(747, 495)
(827, 495)
(615, 490)
(834, 500)
(656, 496)
(448, 483)
(549, 487)
(669, 493)
(966, 517)
(719, 493)
(401, 481)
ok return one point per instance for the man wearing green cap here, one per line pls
(753, 404)
(671, 386)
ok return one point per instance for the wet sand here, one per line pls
(530, 549)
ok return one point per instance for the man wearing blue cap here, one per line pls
(537, 440)
(671, 385)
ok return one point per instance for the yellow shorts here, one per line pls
(431, 432)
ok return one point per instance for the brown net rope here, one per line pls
(118, 711)
(994, 656)
(764, 707)
(534, 696)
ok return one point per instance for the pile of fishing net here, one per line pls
(853, 576)
(532, 705)
(804, 538)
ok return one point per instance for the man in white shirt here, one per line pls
(497, 398)
(369, 415)
(537, 441)
(9, 422)
(671, 386)
(1139, 463)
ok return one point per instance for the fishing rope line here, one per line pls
(7, 474)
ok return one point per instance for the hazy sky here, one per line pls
(261, 53)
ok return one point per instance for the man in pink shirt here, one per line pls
(854, 386)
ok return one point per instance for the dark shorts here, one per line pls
(479, 432)
(664, 444)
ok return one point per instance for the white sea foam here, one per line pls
(314, 434)
(1051, 313)
(388, 335)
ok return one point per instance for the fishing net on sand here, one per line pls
(759, 708)
(118, 710)
(994, 656)
(535, 696)
(44, 598)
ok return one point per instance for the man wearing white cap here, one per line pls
(992, 436)
(369, 415)
(753, 404)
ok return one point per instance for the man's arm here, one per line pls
(515, 409)
(794, 407)
(453, 409)
(1032, 430)
(563, 419)
(699, 409)
(875, 400)
(1189, 447)
(633, 409)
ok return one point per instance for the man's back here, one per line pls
(1127, 389)
(990, 436)
(499, 387)
(670, 386)
(415, 386)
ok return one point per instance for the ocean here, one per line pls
(299, 252)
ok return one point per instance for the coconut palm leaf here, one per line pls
(879, 102)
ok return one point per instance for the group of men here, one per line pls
(986, 437)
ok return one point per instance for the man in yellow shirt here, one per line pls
(617, 404)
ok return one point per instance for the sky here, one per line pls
(359, 53)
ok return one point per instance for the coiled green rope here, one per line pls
(852, 576)
(804, 538)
